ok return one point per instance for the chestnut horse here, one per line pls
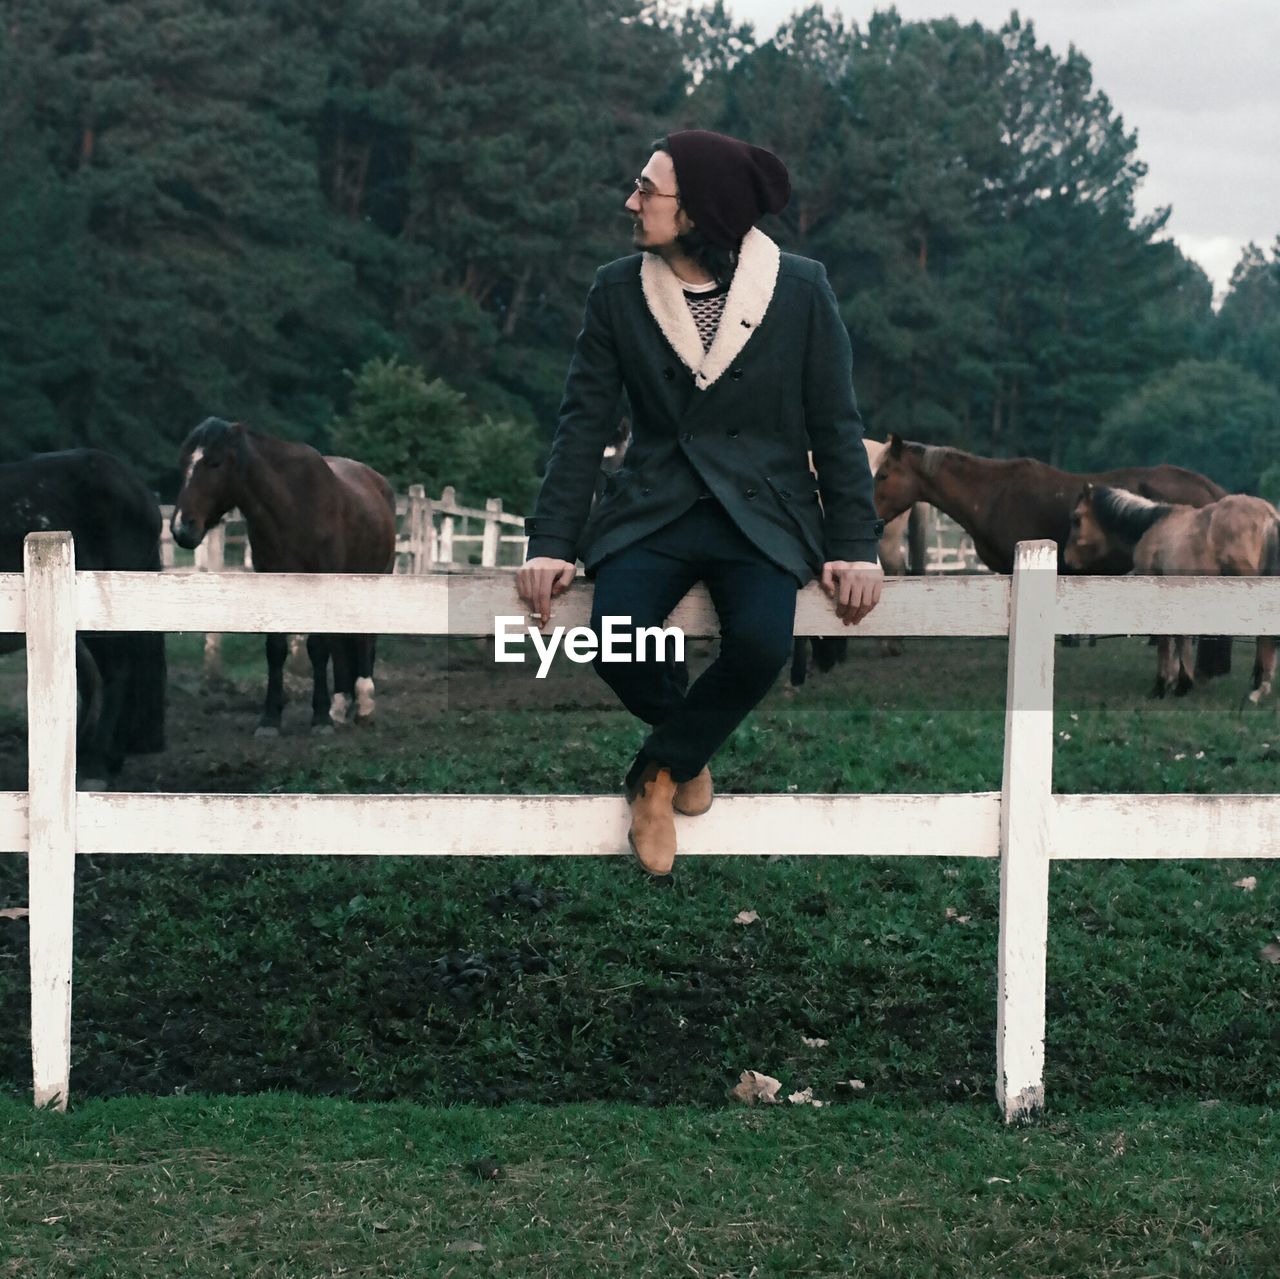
(304, 513)
(1236, 536)
(1001, 502)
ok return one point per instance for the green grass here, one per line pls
(558, 980)
(274, 1187)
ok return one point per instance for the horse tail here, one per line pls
(917, 534)
(1271, 551)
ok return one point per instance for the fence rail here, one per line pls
(1025, 825)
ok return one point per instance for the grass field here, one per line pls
(272, 1187)
(557, 980)
(626, 1010)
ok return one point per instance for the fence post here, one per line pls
(211, 558)
(447, 499)
(166, 545)
(49, 566)
(419, 521)
(492, 531)
(1025, 802)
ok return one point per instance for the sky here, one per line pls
(1197, 80)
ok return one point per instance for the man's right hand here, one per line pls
(538, 581)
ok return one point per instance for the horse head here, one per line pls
(1087, 541)
(210, 461)
(897, 478)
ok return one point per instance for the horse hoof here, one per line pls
(266, 730)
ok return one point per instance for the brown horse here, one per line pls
(1001, 502)
(304, 513)
(1236, 536)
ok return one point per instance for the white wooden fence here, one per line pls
(1025, 825)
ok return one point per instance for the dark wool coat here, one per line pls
(739, 420)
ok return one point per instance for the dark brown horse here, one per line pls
(1236, 536)
(1001, 502)
(304, 513)
(115, 521)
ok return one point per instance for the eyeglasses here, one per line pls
(645, 194)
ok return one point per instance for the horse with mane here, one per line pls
(1236, 536)
(1000, 502)
(115, 522)
(304, 513)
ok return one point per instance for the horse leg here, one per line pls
(318, 652)
(1264, 667)
(1185, 665)
(344, 679)
(273, 707)
(89, 691)
(1162, 663)
(799, 663)
(362, 648)
(100, 755)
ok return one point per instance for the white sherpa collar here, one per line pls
(749, 297)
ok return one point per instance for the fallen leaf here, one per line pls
(956, 916)
(745, 917)
(1271, 953)
(14, 912)
(805, 1098)
(856, 1084)
(752, 1086)
(813, 1043)
(464, 1245)
(991, 1181)
(1248, 883)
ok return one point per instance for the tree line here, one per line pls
(337, 219)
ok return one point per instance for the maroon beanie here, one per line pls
(727, 185)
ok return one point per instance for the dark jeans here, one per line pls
(755, 602)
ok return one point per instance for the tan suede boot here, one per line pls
(653, 826)
(695, 796)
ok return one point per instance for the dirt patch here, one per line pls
(210, 723)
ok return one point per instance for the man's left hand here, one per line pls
(853, 586)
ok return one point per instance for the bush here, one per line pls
(402, 425)
(420, 432)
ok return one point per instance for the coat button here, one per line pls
(736, 374)
(669, 374)
(645, 492)
(687, 436)
(751, 492)
(733, 434)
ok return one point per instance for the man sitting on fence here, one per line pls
(735, 363)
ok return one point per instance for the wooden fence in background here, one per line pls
(1025, 824)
